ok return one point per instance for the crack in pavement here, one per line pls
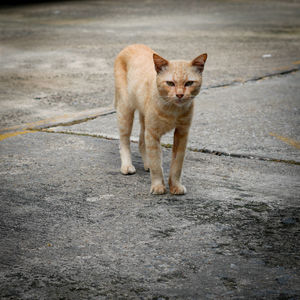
(236, 155)
(56, 121)
(67, 119)
(74, 122)
(232, 83)
(169, 146)
(254, 79)
(200, 150)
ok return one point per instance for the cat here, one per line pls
(163, 92)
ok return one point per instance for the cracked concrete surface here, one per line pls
(237, 120)
(72, 227)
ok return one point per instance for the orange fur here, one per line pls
(163, 92)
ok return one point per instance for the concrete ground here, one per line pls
(72, 227)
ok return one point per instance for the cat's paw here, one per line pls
(158, 189)
(128, 170)
(178, 189)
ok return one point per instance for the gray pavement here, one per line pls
(73, 227)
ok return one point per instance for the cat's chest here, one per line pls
(162, 121)
(166, 126)
(162, 125)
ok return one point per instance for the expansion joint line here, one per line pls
(192, 149)
(113, 111)
(254, 79)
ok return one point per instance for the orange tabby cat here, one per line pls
(163, 92)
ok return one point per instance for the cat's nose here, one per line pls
(179, 96)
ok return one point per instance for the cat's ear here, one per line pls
(159, 62)
(199, 62)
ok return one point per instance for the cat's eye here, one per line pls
(170, 83)
(189, 83)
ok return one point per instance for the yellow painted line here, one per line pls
(297, 62)
(11, 134)
(36, 123)
(66, 118)
(286, 140)
(283, 69)
(242, 80)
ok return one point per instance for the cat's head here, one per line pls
(179, 81)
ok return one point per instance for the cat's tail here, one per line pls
(120, 72)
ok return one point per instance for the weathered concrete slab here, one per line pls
(258, 118)
(58, 57)
(73, 227)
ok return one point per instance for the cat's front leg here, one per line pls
(153, 152)
(178, 152)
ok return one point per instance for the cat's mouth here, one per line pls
(178, 101)
(181, 101)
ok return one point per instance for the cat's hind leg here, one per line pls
(142, 144)
(125, 117)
